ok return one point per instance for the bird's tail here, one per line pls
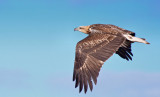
(135, 39)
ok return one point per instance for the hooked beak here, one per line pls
(76, 29)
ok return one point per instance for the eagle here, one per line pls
(102, 42)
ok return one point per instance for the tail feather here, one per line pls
(125, 51)
(143, 38)
(136, 39)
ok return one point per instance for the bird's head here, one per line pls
(84, 29)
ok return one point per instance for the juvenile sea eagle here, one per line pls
(102, 42)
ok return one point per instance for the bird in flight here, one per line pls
(102, 42)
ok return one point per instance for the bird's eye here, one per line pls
(80, 27)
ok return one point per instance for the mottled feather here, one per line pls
(91, 53)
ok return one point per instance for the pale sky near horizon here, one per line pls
(37, 47)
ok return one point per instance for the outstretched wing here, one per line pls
(91, 53)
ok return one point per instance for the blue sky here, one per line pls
(37, 47)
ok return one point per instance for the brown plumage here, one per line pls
(102, 42)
